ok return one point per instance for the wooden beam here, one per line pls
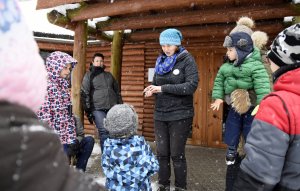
(79, 53)
(54, 46)
(208, 32)
(60, 20)
(197, 17)
(116, 57)
(43, 4)
(137, 6)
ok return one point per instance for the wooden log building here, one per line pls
(129, 56)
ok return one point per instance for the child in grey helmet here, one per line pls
(127, 160)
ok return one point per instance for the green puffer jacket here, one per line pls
(250, 75)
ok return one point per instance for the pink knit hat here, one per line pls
(22, 71)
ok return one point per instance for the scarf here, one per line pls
(165, 64)
(95, 70)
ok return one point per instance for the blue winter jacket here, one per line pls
(128, 164)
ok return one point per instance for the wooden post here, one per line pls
(116, 57)
(79, 53)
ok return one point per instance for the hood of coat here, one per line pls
(113, 147)
(116, 142)
(289, 81)
(254, 56)
(182, 55)
(55, 62)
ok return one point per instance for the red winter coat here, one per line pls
(273, 145)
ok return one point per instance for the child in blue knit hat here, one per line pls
(127, 160)
(242, 82)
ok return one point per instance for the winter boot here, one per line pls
(231, 155)
(179, 189)
(163, 188)
(232, 172)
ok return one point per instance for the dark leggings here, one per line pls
(171, 137)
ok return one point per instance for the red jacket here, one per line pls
(273, 145)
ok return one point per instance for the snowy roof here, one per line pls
(37, 19)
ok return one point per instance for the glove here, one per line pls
(90, 117)
(73, 149)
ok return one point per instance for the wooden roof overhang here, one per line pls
(198, 20)
(209, 20)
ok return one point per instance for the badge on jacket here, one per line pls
(176, 72)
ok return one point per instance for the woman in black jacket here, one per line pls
(174, 83)
(99, 92)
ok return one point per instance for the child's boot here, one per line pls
(179, 189)
(231, 155)
(163, 188)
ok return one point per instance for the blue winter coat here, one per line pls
(128, 164)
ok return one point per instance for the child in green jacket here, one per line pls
(242, 82)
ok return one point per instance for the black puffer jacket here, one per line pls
(32, 158)
(99, 90)
(175, 102)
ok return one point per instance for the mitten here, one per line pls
(90, 117)
(73, 149)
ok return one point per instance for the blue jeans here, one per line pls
(85, 150)
(235, 125)
(170, 138)
(103, 133)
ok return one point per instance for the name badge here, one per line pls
(176, 72)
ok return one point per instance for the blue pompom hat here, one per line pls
(170, 37)
(242, 43)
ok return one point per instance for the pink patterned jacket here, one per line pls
(54, 110)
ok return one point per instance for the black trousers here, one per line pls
(170, 138)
